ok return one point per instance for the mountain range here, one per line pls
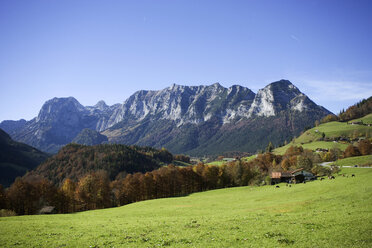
(194, 120)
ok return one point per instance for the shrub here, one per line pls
(7, 213)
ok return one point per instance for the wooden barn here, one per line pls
(297, 176)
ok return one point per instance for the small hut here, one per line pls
(297, 176)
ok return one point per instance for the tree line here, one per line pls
(358, 110)
(96, 190)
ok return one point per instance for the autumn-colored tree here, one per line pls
(93, 191)
(23, 197)
(365, 147)
(358, 110)
(225, 176)
(329, 118)
(210, 175)
(48, 194)
(249, 173)
(304, 162)
(293, 162)
(351, 151)
(85, 193)
(103, 199)
(293, 151)
(149, 186)
(285, 164)
(68, 189)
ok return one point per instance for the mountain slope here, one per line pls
(89, 137)
(333, 134)
(74, 161)
(197, 120)
(16, 159)
(277, 113)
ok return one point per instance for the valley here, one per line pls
(330, 213)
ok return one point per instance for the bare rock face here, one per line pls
(182, 117)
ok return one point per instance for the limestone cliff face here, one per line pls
(280, 96)
(143, 117)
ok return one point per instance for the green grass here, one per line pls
(249, 158)
(311, 138)
(366, 119)
(221, 162)
(335, 129)
(217, 162)
(329, 213)
(360, 160)
(313, 146)
(332, 130)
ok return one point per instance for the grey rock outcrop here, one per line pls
(165, 117)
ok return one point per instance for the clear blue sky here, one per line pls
(107, 50)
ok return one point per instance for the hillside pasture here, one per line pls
(328, 213)
(313, 146)
(312, 138)
(360, 161)
(366, 119)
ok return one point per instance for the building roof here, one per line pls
(297, 170)
(279, 174)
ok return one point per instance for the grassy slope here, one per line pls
(330, 213)
(366, 119)
(360, 160)
(312, 146)
(220, 162)
(331, 129)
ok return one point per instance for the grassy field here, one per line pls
(354, 161)
(310, 138)
(217, 162)
(312, 146)
(366, 119)
(329, 213)
(249, 158)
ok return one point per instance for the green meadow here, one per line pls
(360, 161)
(366, 119)
(311, 138)
(313, 146)
(328, 213)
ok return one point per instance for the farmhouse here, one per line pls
(297, 176)
(355, 123)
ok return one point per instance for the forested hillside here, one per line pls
(358, 110)
(74, 161)
(16, 159)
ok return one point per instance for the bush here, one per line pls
(7, 213)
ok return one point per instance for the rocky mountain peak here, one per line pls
(59, 106)
(60, 120)
(278, 96)
(101, 105)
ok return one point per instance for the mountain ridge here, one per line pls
(156, 118)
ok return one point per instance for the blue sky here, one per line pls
(107, 50)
